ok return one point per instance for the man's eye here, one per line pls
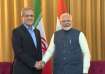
(29, 15)
(66, 21)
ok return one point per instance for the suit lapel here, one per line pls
(27, 35)
(37, 39)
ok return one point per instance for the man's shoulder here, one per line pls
(17, 29)
(75, 29)
(36, 30)
(72, 29)
(57, 31)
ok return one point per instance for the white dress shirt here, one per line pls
(84, 47)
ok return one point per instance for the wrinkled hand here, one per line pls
(38, 65)
(43, 64)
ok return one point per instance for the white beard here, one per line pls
(66, 28)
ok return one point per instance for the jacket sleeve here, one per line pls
(49, 52)
(86, 52)
(18, 51)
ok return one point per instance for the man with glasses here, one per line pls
(69, 49)
(26, 41)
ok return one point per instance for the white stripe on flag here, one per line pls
(40, 27)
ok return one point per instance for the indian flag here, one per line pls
(61, 9)
(40, 26)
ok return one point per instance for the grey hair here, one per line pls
(26, 9)
(66, 13)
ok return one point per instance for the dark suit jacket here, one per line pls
(25, 52)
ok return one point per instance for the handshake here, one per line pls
(39, 65)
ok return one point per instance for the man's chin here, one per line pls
(67, 28)
(30, 24)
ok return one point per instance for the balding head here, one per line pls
(25, 10)
(66, 21)
(65, 16)
(27, 15)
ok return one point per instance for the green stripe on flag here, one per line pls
(37, 11)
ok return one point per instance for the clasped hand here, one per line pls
(39, 65)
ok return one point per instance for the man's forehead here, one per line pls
(65, 16)
(29, 12)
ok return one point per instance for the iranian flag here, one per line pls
(61, 9)
(40, 26)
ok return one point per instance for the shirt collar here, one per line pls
(27, 27)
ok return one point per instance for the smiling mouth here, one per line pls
(67, 25)
(30, 20)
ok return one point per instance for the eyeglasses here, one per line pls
(29, 15)
(65, 21)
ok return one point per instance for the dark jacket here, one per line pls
(25, 52)
(68, 55)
